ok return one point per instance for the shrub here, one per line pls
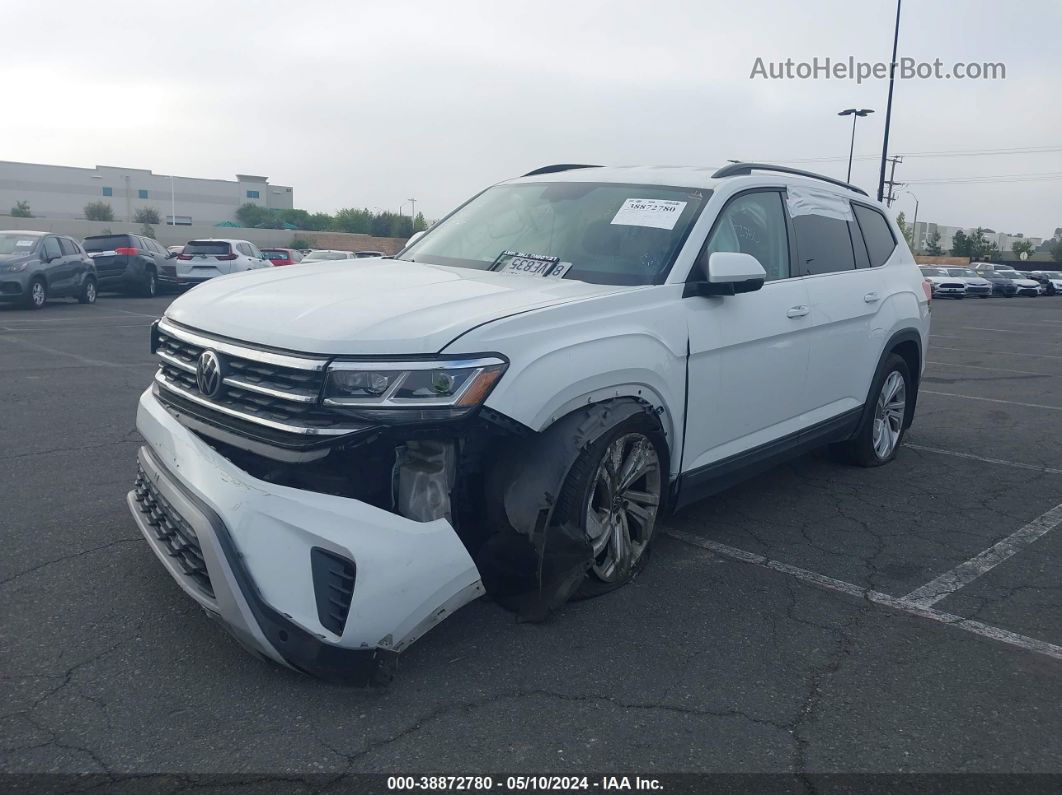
(99, 211)
(21, 210)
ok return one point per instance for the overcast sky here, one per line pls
(370, 103)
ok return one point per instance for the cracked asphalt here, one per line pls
(703, 664)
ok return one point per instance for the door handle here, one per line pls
(871, 298)
(797, 311)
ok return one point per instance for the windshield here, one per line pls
(17, 244)
(1012, 275)
(108, 242)
(206, 247)
(934, 272)
(272, 253)
(609, 233)
(961, 272)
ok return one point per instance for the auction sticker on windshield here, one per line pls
(530, 264)
(657, 213)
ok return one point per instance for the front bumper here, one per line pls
(13, 285)
(257, 538)
(949, 292)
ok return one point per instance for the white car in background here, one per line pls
(1054, 277)
(944, 284)
(323, 255)
(975, 285)
(201, 260)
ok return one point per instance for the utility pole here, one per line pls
(173, 204)
(412, 215)
(914, 225)
(891, 181)
(888, 108)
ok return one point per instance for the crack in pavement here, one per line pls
(71, 556)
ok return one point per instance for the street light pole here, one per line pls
(914, 224)
(173, 205)
(412, 215)
(888, 108)
(855, 114)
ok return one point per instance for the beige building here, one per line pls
(63, 192)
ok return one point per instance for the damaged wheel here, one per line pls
(615, 491)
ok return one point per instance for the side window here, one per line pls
(877, 234)
(753, 223)
(823, 245)
(862, 259)
(51, 248)
(244, 249)
(255, 252)
(67, 246)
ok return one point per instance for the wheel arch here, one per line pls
(907, 344)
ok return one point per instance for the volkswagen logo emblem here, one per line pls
(208, 374)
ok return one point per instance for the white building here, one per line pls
(923, 231)
(63, 192)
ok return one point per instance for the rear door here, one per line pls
(846, 288)
(59, 267)
(110, 265)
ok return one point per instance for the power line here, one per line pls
(1031, 150)
(987, 179)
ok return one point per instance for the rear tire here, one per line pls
(88, 292)
(151, 284)
(614, 493)
(37, 294)
(881, 432)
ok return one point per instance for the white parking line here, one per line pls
(77, 357)
(1016, 464)
(991, 400)
(1000, 353)
(876, 597)
(994, 369)
(965, 573)
(1001, 331)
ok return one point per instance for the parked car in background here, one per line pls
(1001, 285)
(323, 254)
(282, 256)
(204, 259)
(990, 266)
(175, 249)
(944, 285)
(1024, 286)
(130, 263)
(36, 266)
(1051, 280)
(365, 254)
(975, 285)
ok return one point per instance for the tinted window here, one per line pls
(68, 246)
(823, 245)
(206, 247)
(51, 248)
(753, 223)
(109, 242)
(877, 234)
(859, 246)
(273, 253)
(252, 194)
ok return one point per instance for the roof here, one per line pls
(23, 232)
(676, 176)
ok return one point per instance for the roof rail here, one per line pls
(558, 167)
(744, 169)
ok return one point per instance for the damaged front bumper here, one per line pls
(324, 584)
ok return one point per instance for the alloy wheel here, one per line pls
(889, 414)
(622, 505)
(38, 294)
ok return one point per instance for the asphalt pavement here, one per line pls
(780, 627)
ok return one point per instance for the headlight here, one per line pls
(18, 266)
(413, 390)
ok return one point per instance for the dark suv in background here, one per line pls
(131, 263)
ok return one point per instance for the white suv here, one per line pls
(337, 459)
(200, 260)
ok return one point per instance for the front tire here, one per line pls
(37, 294)
(881, 432)
(614, 493)
(151, 284)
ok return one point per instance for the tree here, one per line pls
(21, 210)
(933, 248)
(253, 215)
(147, 230)
(360, 222)
(147, 215)
(420, 224)
(99, 211)
(905, 230)
(299, 242)
(960, 245)
(1056, 251)
(1022, 247)
(974, 245)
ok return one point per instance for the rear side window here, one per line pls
(209, 247)
(824, 245)
(68, 246)
(876, 233)
(109, 242)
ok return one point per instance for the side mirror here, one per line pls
(415, 237)
(731, 273)
(171, 254)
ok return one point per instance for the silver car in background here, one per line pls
(975, 285)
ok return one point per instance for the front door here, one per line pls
(749, 353)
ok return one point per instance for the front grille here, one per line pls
(258, 386)
(176, 535)
(952, 285)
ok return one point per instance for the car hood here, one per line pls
(975, 281)
(372, 306)
(942, 279)
(1025, 282)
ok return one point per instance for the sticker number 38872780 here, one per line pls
(657, 213)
